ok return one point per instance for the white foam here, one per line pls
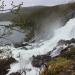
(65, 32)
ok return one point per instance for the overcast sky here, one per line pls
(28, 3)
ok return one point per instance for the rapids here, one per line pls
(25, 56)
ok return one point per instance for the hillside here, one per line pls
(42, 11)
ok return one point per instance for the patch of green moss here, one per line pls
(57, 65)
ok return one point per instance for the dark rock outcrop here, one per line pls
(61, 42)
(40, 60)
(17, 73)
(5, 65)
(69, 50)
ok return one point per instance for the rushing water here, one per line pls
(9, 36)
(24, 56)
(47, 34)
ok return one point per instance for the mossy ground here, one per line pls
(61, 65)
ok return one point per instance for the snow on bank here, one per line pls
(24, 56)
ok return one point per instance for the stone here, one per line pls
(40, 60)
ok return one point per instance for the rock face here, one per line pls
(61, 42)
(17, 73)
(61, 46)
(69, 49)
(40, 60)
(5, 65)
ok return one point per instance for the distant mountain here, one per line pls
(24, 10)
(40, 11)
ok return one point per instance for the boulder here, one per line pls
(5, 65)
(17, 73)
(40, 60)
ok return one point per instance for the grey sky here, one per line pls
(36, 2)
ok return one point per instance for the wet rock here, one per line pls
(17, 73)
(5, 65)
(69, 50)
(22, 45)
(40, 60)
(63, 46)
(61, 42)
(72, 40)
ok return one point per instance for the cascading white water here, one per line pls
(66, 32)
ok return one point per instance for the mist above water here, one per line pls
(46, 29)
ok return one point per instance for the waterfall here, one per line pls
(66, 32)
